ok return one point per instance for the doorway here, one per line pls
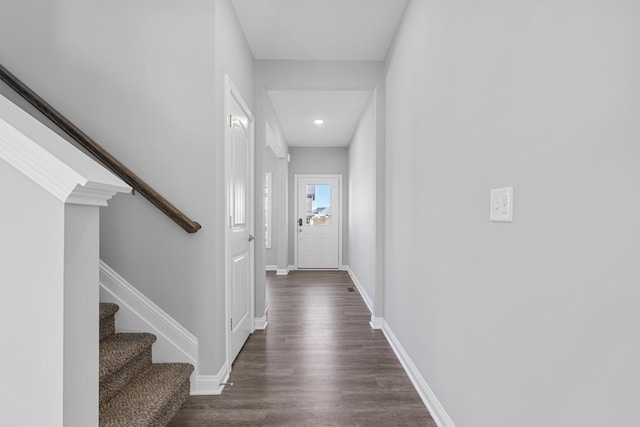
(239, 242)
(318, 227)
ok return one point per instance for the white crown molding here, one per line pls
(94, 193)
(427, 395)
(51, 162)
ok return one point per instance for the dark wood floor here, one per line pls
(318, 364)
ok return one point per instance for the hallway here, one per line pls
(318, 363)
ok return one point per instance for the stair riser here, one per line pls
(150, 400)
(174, 405)
(107, 327)
(134, 392)
(112, 385)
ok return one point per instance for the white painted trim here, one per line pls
(211, 385)
(365, 297)
(268, 212)
(159, 322)
(341, 202)
(231, 91)
(282, 272)
(291, 268)
(376, 322)
(53, 163)
(430, 400)
(261, 323)
(271, 267)
(138, 313)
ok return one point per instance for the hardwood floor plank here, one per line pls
(318, 363)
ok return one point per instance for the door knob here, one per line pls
(251, 237)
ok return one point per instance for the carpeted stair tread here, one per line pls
(108, 309)
(149, 400)
(119, 349)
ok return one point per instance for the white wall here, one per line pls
(81, 319)
(534, 322)
(362, 202)
(271, 166)
(146, 80)
(48, 254)
(33, 354)
(232, 57)
(320, 161)
(318, 75)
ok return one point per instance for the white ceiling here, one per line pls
(319, 29)
(340, 109)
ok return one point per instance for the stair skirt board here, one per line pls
(174, 343)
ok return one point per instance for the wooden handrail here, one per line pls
(98, 152)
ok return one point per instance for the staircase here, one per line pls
(133, 391)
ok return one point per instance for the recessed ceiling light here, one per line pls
(318, 121)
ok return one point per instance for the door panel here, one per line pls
(318, 236)
(239, 292)
(240, 214)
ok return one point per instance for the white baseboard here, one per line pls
(271, 268)
(376, 322)
(363, 294)
(139, 314)
(209, 385)
(260, 323)
(282, 272)
(430, 400)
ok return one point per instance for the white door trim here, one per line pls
(296, 179)
(230, 90)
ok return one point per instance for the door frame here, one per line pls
(296, 179)
(231, 91)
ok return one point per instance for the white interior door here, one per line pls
(318, 228)
(240, 247)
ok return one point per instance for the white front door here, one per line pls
(318, 230)
(240, 247)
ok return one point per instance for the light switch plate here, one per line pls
(502, 204)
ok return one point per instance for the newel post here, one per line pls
(50, 194)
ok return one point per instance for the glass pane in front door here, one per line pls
(318, 204)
